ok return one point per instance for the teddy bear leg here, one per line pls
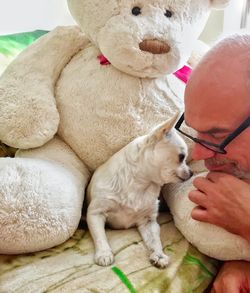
(176, 197)
(211, 240)
(41, 197)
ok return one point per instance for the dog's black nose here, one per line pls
(191, 173)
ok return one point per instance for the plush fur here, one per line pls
(124, 191)
(58, 87)
(40, 195)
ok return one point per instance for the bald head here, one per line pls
(219, 87)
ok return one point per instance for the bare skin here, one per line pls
(217, 101)
(222, 196)
(233, 277)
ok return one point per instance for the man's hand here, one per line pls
(234, 277)
(223, 200)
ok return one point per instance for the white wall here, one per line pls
(232, 18)
(28, 15)
(224, 22)
(213, 28)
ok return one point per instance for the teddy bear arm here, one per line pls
(28, 112)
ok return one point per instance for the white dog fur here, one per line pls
(124, 191)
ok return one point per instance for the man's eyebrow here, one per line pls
(213, 130)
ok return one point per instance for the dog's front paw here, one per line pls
(104, 258)
(159, 260)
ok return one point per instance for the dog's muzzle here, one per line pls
(186, 175)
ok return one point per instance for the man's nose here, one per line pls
(200, 152)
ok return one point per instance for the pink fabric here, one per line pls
(103, 60)
(183, 73)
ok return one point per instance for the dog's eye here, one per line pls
(136, 10)
(181, 158)
(168, 13)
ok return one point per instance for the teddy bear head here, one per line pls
(144, 38)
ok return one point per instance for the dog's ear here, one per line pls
(161, 130)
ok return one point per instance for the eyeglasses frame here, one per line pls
(220, 148)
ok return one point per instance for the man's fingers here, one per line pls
(199, 214)
(214, 176)
(203, 184)
(198, 198)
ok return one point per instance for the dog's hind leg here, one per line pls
(150, 232)
(96, 222)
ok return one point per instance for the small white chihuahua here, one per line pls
(124, 191)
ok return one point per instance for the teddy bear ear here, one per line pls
(220, 4)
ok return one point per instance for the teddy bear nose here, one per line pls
(154, 46)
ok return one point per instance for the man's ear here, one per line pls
(219, 4)
(159, 131)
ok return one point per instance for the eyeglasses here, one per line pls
(217, 148)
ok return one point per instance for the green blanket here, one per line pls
(12, 45)
(70, 268)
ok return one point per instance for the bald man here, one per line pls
(217, 106)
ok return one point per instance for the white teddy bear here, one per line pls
(76, 96)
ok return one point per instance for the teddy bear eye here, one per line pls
(136, 10)
(168, 13)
